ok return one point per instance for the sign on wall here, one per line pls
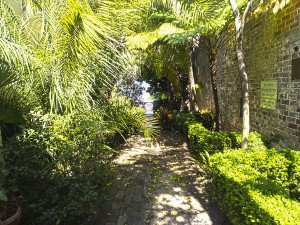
(268, 96)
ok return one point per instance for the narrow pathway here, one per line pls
(158, 184)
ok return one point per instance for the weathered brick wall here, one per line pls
(269, 42)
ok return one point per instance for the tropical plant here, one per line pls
(187, 23)
(66, 59)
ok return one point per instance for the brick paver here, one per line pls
(158, 184)
(127, 206)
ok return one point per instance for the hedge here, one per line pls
(201, 140)
(254, 186)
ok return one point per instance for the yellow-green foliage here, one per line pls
(201, 139)
(252, 186)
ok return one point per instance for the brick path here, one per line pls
(127, 207)
(158, 184)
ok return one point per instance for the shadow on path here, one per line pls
(178, 189)
(158, 183)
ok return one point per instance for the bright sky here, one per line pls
(146, 95)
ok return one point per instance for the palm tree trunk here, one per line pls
(193, 94)
(213, 77)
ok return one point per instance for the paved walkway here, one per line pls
(158, 184)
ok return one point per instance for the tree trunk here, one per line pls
(171, 98)
(185, 105)
(245, 94)
(239, 27)
(193, 94)
(213, 77)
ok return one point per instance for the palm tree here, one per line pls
(190, 22)
(70, 40)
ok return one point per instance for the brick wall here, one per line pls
(269, 42)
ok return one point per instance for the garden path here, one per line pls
(158, 183)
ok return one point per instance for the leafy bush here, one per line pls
(166, 118)
(255, 139)
(60, 163)
(183, 120)
(252, 186)
(257, 186)
(294, 172)
(122, 119)
(207, 119)
(203, 140)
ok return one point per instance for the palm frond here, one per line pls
(11, 49)
(10, 109)
(120, 116)
(193, 13)
(74, 39)
(6, 76)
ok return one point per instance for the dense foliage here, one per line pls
(258, 186)
(254, 186)
(67, 159)
(67, 59)
(62, 63)
(59, 163)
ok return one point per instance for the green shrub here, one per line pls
(184, 120)
(207, 119)
(294, 172)
(166, 118)
(202, 140)
(60, 163)
(251, 186)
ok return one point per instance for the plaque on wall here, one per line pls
(268, 94)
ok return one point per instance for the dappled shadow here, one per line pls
(178, 191)
(243, 198)
(127, 193)
(159, 178)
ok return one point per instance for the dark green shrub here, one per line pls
(250, 187)
(60, 163)
(294, 172)
(207, 119)
(183, 121)
(166, 118)
(201, 139)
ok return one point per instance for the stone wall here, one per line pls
(269, 44)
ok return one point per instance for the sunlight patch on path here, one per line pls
(176, 193)
(158, 183)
